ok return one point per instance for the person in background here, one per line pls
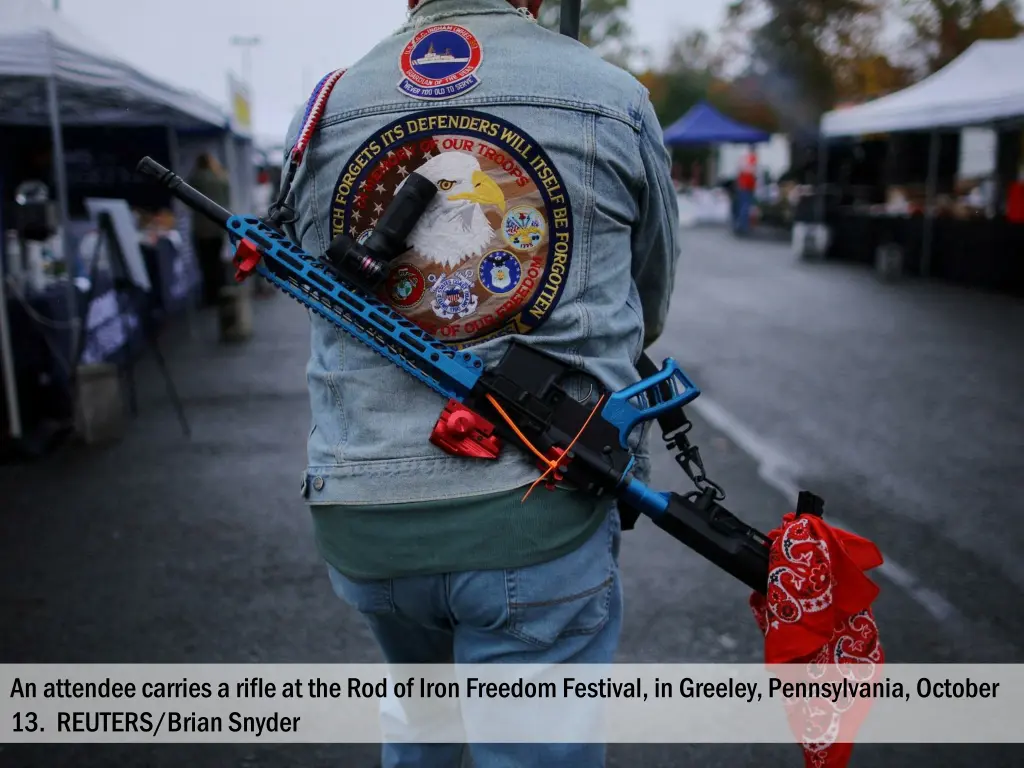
(696, 174)
(746, 183)
(1015, 199)
(262, 198)
(208, 239)
(263, 194)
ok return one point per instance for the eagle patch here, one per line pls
(490, 255)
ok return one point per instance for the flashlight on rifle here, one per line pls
(365, 263)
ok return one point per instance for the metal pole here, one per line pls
(929, 204)
(822, 179)
(247, 69)
(246, 44)
(7, 352)
(60, 175)
(183, 215)
(231, 165)
(569, 19)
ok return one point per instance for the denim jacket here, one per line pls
(555, 220)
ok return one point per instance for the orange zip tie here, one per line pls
(508, 420)
(551, 465)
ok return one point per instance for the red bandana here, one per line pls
(818, 612)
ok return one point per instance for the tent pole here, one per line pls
(231, 166)
(929, 204)
(7, 352)
(180, 215)
(821, 180)
(61, 178)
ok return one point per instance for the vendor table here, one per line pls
(979, 253)
(115, 325)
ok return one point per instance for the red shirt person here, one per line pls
(746, 183)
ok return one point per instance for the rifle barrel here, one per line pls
(193, 198)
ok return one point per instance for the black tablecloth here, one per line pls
(979, 253)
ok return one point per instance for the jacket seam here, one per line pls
(504, 100)
(589, 203)
(315, 218)
(364, 464)
(407, 499)
(644, 181)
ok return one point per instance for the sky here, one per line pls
(187, 42)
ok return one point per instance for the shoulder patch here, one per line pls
(440, 62)
(490, 255)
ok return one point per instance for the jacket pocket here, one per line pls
(568, 596)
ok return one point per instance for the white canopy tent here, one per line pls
(983, 86)
(53, 75)
(38, 45)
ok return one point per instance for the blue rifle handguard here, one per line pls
(521, 400)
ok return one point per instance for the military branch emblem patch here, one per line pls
(453, 296)
(491, 253)
(405, 286)
(440, 62)
(500, 272)
(524, 228)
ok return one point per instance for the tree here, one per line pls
(693, 51)
(943, 29)
(743, 100)
(604, 27)
(869, 76)
(685, 77)
(807, 54)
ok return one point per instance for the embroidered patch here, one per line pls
(524, 228)
(453, 295)
(493, 248)
(440, 62)
(500, 272)
(405, 285)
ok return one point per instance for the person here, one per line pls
(262, 193)
(263, 197)
(555, 221)
(746, 183)
(208, 239)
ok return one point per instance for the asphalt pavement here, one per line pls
(898, 403)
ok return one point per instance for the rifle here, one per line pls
(520, 401)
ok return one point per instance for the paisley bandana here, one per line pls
(817, 614)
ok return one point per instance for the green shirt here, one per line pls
(477, 533)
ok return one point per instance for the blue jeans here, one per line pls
(565, 611)
(744, 202)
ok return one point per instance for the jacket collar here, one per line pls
(453, 7)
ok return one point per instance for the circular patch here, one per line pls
(440, 62)
(500, 272)
(524, 228)
(405, 286)
(453, 295)
(486, 171)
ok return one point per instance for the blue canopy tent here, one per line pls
(704, 124)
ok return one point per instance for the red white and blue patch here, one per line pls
(440, 63)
